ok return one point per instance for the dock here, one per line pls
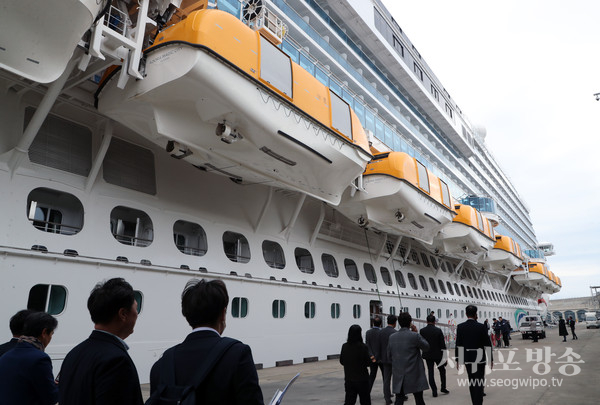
(548, 372)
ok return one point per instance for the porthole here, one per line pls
(273, 254)
(351, 269)
(278, 309)
(189, 238)
(304, 261)
(329, 265)
(370, 273)
(236, 247)
(47, 298)
(239, 307)
(54, 211)
(131, 227)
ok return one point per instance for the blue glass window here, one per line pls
(233, 7)
(307, 65)
(397, 146)
(379, 130)
(290, 50)
(389, 136)
(336, 88)
(403, 146)
(411, 151)
(359, 110)
(347, 98)
(322, 77)
(369, 121)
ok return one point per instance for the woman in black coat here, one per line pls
(356, 360)
(562, 329)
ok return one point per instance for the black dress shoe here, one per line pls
(406, 397)
(484, 394)
(434, 393)
(444, 391)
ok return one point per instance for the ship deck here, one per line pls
(323, 382)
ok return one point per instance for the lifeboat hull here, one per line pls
(501, 261)
(38, 37)
(396, 207)
(531, 280)
(187, 93)
(462, 241)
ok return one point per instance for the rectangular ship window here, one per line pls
(275, 67)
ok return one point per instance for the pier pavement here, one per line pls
(548, 372)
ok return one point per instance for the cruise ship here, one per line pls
(302, 151)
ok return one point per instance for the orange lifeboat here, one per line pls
(401, 197)
(469, 236)
(223, 98)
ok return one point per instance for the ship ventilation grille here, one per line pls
(258, 17)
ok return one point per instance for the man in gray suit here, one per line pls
(372, 342)
(404, 351)
(384, 337)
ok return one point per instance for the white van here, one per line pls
(526, 328)
(591, 321)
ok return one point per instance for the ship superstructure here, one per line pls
(300, 150)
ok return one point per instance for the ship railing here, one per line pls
(55, 227)
(132, 240)
(191, 250)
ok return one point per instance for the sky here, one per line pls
(527, 70)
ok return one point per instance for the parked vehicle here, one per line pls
(591, 320)
(530, 325)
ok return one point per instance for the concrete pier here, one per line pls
(548, 372)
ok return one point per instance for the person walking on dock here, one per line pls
(572, 325)
(356, 359)
(435, 356)
(562, 329)
(473, 350)
(404, 351)
(384, 338)
(374, 346)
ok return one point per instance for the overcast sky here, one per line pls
(528, 71)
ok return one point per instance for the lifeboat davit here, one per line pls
(469, 236)
(37, 38)
(222, 97)
(401, 197)
(504, 257)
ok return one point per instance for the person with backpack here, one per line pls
(205, 368)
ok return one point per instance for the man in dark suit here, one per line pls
(384, 337)
(505, 328)
(15, 324)
(372, 342)
(233, 380)
(26, 371)
(437, 345)
(99, 370)
(473, 349)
